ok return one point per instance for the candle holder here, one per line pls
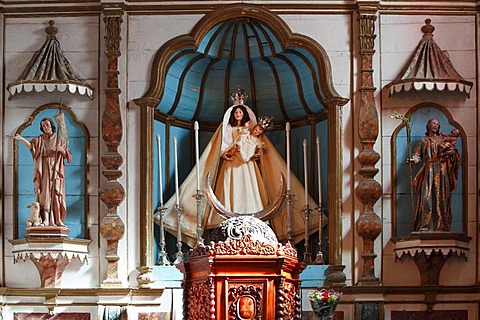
(162, 258)
(198, 197)
(289, 195)
(179, 255)
(307, 256)
(321, 217)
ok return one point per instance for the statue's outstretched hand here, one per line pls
(25, 141)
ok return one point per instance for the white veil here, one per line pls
(227, 137)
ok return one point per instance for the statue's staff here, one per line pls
(62, 128)
(408, 128)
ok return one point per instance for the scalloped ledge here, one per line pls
(53, 247)
(432, 242)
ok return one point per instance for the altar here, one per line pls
(244, 274)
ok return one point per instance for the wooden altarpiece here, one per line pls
(242, 277)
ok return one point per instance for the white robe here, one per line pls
(272, 166)
(240, 186)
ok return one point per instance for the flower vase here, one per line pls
(322, 311)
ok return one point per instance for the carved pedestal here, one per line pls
(242, 277)
(47, 232)
(430, 251)
(50, 255)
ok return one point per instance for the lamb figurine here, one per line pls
(34, 219)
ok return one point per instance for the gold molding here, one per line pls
(83, 242)
(87, 292)
(146, 188)
(30, 8)
(334, 182)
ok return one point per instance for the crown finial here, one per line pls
(51, 30)
(428, 29)
(239, 97)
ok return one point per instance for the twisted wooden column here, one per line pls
(112, 192)
(369, 225)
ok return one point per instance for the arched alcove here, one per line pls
(183, 89)
(403, 197)
(76, 172)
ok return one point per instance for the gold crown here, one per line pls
(266, 122)
(239, 97)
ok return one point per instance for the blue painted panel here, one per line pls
(74, 180)
(206, 39)
(78, 145)
(226, 45)
(322, 132)
(76, 230)
(313, 276)
(183, 156)
(457, 205)
(240, 48)
(24, 154)
(277, 138)
(296, 157)
(214, 108)
(203, 139)
(288, 84)
(273, 38)
(253, 47)
(75, 208)
(311, 59)
(159, 130)
(240, 75)
(25, 180)
(169, 92)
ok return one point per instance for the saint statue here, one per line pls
(49, 151)
(437, 179)
(246, 171)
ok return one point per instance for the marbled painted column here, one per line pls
(368, 191)
(112, 192)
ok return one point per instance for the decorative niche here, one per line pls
(428, 249)
(51, 248)
(429, 70)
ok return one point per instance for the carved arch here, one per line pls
(192, 40)
(331, 100)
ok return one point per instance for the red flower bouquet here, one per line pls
(324, 303)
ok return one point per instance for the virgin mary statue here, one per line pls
(244, 185)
